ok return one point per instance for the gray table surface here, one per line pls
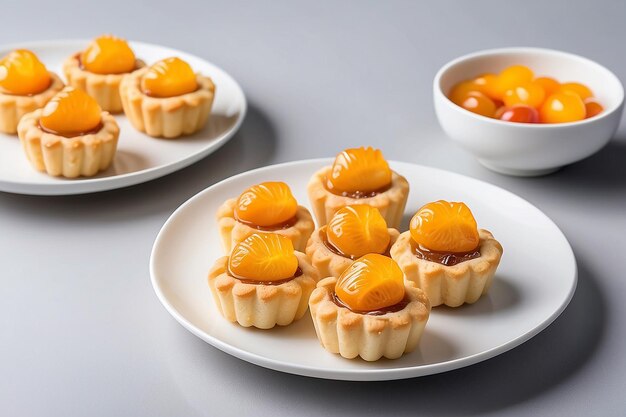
(81, 331)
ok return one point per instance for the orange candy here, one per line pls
(513, 76)
(577, 88)
(562, 108)
(372, 282)
(462, 90)
(108, 55)
(480, 104)
(530, 94)
(266, 204)
(519, 113)
(21, 73)
(592, 107)
(499, 96)
(263, 257)
(444, 226)
(359, 170)
(488, 84)
(549, 85)
(71, 113)
(168, 78)
(358, 230)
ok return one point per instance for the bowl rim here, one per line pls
(530, 50)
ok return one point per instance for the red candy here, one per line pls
(519, 114)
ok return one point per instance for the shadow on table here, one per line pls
(253, 146)
(528, 371)
(602, 174)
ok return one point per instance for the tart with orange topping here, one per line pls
(369, 310)
(358, 176)
(445, 254)
(100, 68)
(25, 86)
(167, 99)
(267, 207)
(353, 231)
(71, 136)
(263, 283)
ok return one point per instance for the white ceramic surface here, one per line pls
(533, 285)
(526, 149)
(139, 157)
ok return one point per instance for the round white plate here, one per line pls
(139, 158)
(534, 283)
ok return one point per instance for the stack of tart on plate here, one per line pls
(369, 288)
(69, 131)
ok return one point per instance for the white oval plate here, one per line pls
(139, 158)
(533, 285)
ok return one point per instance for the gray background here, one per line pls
(81, 331)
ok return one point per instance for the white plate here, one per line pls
(534, 283)
(139, 157)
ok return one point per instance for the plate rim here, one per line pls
(94, 185)
(379, 374)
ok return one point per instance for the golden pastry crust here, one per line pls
(390, 203)
(325, 261)
(169, 117)
(13, 107)
(68, 157)
(105, 88)
(233, 231)
(351, 334)
(454, 285)
(260, 305)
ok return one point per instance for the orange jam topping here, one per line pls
(372, 282)
(168, 78)
(22, 73)
(266, 204)
(444, 226)
(108, 55)
(362, 170)
(71, 113)
(263, 257)
(358, 230)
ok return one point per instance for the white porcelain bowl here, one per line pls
(527, 149)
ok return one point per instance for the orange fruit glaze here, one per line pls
(359, 169)
(370, 283)
(169, 78)
(444, 226)
(266, 204)
(21, 73)
(357, 230)
(70, 113)
(263, 257)
(108, 55)
(562, 107)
